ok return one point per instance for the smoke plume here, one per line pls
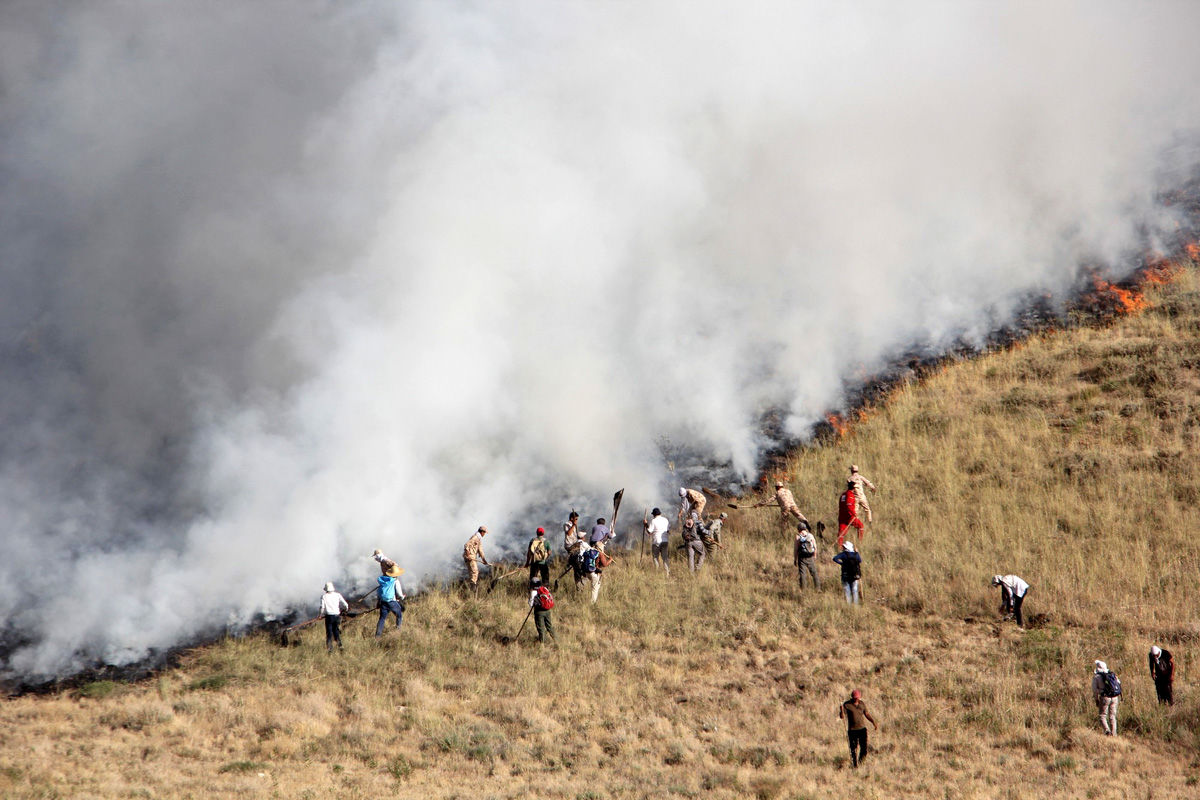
(285, 281)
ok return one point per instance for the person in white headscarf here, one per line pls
(1106, 692)
(691, 505)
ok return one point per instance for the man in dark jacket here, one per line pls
(851, 564)
(1162, 670)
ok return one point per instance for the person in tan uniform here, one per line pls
(473, 554)
(787, 504)
(691, 505)
(861, 484)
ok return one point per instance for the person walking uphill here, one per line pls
(804, 555)
(658, 529)
(855, 712)
(1012, 595)
(332, 606)
(1162, 671)
(861, 484)
(473, 554)
(541, 601)
(1106, 692)
(391, 600)
(851, 564)
(537, 557)
(848, 513)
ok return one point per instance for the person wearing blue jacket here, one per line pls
(391, 599)
(851, 564)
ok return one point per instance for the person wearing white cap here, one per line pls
(861, 484)
(1162, 670)
(1012, 595)
(1106, 692)
(851, 564)
(332, 606)
(691, 505)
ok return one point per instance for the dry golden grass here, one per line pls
(1069, 460)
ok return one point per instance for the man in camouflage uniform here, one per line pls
(861, 484)
(787, 504)
(473, 554)
(691, 505)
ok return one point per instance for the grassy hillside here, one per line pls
(1069, 460)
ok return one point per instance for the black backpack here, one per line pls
(1112, 685)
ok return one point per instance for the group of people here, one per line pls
(587, 559)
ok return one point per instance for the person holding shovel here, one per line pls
(332, 606)
(472, 554)
(787, 504)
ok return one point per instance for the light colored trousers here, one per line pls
(852, 592)
(1108, 714)
(695, 555)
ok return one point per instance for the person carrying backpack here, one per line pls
(541, 601)
(332, 606)
(391, 600)
(1106, 692)
(693, 545)
(592, 562)
(537, 557)
(804, 555)
(851, 564)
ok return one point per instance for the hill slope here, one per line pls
(1069, 460)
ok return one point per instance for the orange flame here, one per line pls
(840, 425)
(1193, 251)
(1112, 298)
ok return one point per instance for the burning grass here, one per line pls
(1067, 460)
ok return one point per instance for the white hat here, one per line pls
(377, 553)
(996, 580)
(682, 491)
(1101, 666)
(724, 515)
(778, 484)
(329, 586)
(1156, 651)
(854, 467)
(848, 547)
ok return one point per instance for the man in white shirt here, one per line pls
(657, 528)
(1012, 595)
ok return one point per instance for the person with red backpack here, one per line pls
(541, 601)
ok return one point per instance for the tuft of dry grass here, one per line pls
(1069, 460)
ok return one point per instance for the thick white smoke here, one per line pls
(284, 281)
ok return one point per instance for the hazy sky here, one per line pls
(289, 280)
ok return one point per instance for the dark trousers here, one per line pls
(542, 620)
(1016, 609)
(1166, 693)
(857, 738)
(384, 607)
(541, 570)
(333, 630)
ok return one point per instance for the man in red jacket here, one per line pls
(848, 514)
